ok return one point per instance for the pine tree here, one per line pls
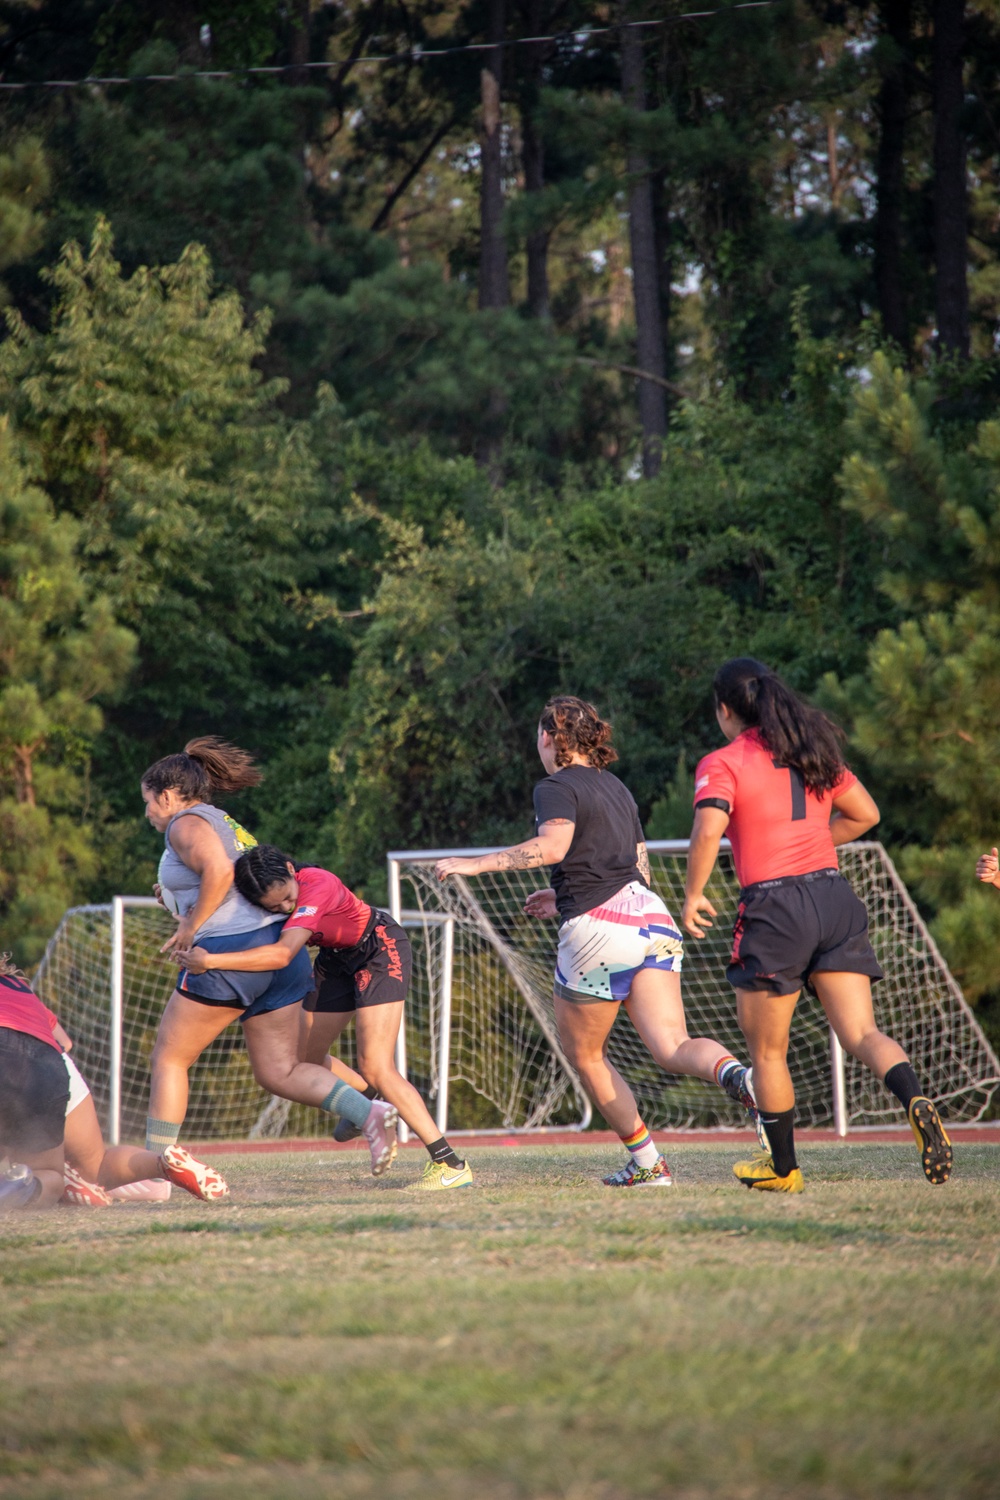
(60, 651)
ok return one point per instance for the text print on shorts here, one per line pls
(601, 951)
(394, 962)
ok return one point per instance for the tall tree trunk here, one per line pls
(533, 157)
(298, 43)
(645, 268)
(494, 289)
(537, 243)
(892, 106)
(951, 210)
(664, 260)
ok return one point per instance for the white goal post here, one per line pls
(480, 1040)
(490, 956)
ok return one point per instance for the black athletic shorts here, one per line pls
(376, 971)
(34, 1092)
(789, 929)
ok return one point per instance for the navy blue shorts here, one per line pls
(254, 994)
(34, 1092)
(791, 928)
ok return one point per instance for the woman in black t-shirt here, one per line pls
(618, 944)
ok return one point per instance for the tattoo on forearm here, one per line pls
(642, 860)
(520, 859)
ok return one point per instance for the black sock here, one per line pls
(781, 1139)
(370, 1092)
(441, 1151)
(904, 1083)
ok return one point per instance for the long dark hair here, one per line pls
(578, 729)
(205, 766)
(796, 734)
(255, 872)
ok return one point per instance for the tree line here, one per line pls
(350, 411)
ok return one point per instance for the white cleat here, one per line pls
(379, 1130)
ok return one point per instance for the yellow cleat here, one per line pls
(760, 1173)
(438, 1176)
(932, 1139)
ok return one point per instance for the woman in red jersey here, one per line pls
(37, 1088)
(362, 971)
(782, 792)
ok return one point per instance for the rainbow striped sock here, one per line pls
(640, 1147)
(723, 1068)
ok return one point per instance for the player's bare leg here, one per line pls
(584, 1030)
(186, 1029)
(376, 1030)
(273, 1039)
(765, 1021)
(847, 1001)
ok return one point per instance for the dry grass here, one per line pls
(326, 1335)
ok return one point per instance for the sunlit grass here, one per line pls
(323, 1334)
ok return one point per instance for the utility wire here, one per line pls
(415, 54)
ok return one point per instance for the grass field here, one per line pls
(324, 1335)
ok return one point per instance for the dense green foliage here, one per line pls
(268, 470)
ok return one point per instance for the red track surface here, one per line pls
(864, 1136)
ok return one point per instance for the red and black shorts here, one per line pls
(791, 928)
(376, 971)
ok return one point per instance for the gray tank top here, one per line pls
(235, 914)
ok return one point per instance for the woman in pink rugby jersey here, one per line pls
(362, 970)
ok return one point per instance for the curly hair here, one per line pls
(205, 766)
(578, 729)
(9, 969)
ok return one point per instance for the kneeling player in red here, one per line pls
(362, 971)
(782, 792)
(46, 1114)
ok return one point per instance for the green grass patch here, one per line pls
(540, 1338)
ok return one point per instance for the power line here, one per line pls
(415, 54)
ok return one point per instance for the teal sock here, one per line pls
(161, 1133)
(343, 1100)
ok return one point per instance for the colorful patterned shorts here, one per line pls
(601, 951)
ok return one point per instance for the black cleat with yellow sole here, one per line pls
(936, 1156)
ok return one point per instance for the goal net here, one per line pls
(481, 1043)
(504, 1050)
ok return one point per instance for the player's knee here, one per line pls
(376, 1071)
(274, 1077)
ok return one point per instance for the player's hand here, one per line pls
(541, 904)
(456, 866)
(695, 915)
(195, 960)
(158, 893)
(182, 938)
(987, 867)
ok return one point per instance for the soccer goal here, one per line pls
(480, 1040)
(491, 1028)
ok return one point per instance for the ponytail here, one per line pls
(205, 766)
(795, 733)
(578, 729)
(255, 872)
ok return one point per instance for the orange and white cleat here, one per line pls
(181, 1168)
(82, 1193)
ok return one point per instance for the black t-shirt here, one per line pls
(601, 858)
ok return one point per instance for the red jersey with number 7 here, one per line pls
(776, 825)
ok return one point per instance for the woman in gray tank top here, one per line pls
(202, 843)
